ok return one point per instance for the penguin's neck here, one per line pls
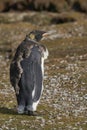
(31, 40)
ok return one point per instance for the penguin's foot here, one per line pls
(32, 113)
(20, 109)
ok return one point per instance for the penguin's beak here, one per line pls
(45, 34)
(49, 33)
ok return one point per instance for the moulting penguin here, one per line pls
(27, 71)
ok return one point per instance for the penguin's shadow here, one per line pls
(8, 111)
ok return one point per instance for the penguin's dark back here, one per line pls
(35, 54)
(32, 73)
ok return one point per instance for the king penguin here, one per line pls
(27, 71)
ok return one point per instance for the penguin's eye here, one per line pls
(32, 36)
(38, 37)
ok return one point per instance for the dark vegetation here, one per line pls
(46, 5)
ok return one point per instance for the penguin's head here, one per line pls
(37, 35)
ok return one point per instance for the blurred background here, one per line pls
(63, 104)
(45, 5)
